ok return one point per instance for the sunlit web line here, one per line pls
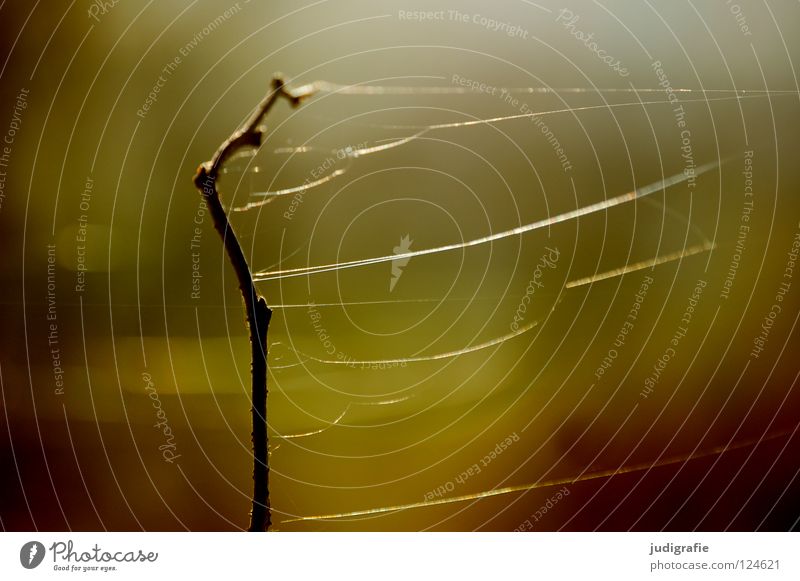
(329, 87)
(577, 213)
(651, 263)
(269, 196)
(656, 261)
(555, 482)
(375, 302)
(352, 153)
(288, 191)
(489, 121)
(431, 357)
(413, 359)
(337, 154)
(341, 416)
(314, 432)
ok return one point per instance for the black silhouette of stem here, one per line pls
(258, 313)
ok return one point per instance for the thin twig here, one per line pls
(258, 313)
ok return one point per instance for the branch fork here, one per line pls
(258, 313)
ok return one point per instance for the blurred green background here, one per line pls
(139, 312)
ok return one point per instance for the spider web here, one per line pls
(350, 156)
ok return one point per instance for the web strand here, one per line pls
(351, 154)
(679, 459)
(519, 230)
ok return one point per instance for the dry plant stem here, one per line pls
(258, 313)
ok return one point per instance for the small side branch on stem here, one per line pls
(258, 313)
